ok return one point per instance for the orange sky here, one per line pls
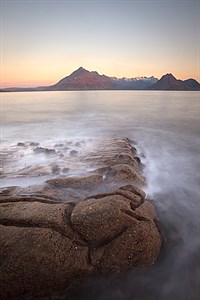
(43, 42)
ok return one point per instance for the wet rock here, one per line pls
(124, 172)
(65, 170)
(36, 261)
(73, 152)
(100, 220)
(64, 241)
(37, 214)
(76, 181)
(124, 158)
(34, 144)
(134, 190)
(56, 170)
(8, 190)
(39, 150)
(50, 192)
(137, 159)
(72, 227)
(135, 198)
(138, 245)
(34, 171)
(42, 198)
(77, 144)
(59, 145)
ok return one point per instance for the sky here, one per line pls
(43, 41)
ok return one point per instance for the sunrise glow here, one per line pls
(43, 41)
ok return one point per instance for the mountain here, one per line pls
(191, 84)
(82, 79)
(169, 82)
(137, 83)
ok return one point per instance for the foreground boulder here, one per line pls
(47, 244)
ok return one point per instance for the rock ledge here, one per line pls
(75, 226)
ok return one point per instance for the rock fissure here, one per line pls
(108, 241)
(129, 213)
(76, 231)
(120, 193)
(6, 222)
(19, 198)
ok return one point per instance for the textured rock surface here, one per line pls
(71, 227)
(38, 260)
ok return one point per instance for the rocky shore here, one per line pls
(72, 227)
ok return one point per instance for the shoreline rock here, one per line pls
(72, 227)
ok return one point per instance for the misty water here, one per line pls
(165, 127)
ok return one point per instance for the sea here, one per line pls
(165, 128)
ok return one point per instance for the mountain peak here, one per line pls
(169, 76)
(81, 69)
(169, 82)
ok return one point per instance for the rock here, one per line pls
(44, 150)
(138, 245)
(77, 144)
(73, 152)
(72, 227)
(56, 170)
(69, 240)
(134, 198)
(50, 192)
(124, 172)
(100, 220)
(35, 261)
(59, 145)
(76, 181)
(134, 190)
(20, 144)
(125, 158)
(33, 144)
(65, 170)
(34, 171)
(137, 159)
(8, 190)
(120, 236)
(36, 214)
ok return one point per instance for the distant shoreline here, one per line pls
(84, 80)
(95, 90)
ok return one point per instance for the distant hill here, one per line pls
(82, 79)
(169, 82)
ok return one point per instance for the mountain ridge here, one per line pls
(82, 79)
(169, 82)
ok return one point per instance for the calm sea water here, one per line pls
(166, 127)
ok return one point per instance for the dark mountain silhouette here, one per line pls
(191, 84)
(82, 79)
(169, 82)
